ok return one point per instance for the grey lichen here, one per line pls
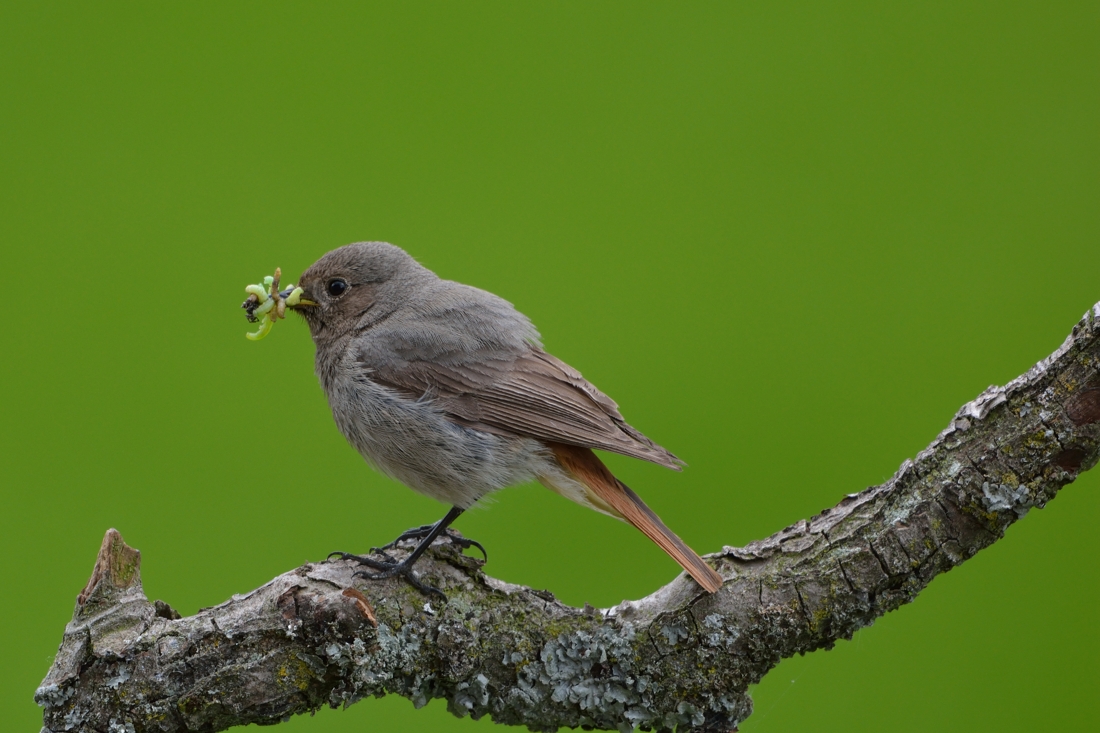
(53, 696)
(674, 633)
(1003, 497)
(567, 669)
(718, 633)
(379, 667)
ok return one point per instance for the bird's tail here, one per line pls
(609, 492)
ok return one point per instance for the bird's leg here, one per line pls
(390, 567)
(419, 533)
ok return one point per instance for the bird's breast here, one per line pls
(414, 442)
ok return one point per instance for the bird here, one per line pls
(447, 389)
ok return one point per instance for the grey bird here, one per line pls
(447, 389)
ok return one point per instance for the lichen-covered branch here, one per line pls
(679, 658)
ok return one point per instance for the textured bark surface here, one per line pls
(678, 658)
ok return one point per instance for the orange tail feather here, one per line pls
(590, 470)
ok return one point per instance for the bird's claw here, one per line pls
(418, 533)
(426, 535)
(405, 570)
(363, 559)
(389, 568)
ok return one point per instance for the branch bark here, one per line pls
(678, 658)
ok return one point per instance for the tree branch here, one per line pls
(677, 658)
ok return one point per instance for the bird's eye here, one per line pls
(337, 287)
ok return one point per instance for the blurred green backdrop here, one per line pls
(790, 239)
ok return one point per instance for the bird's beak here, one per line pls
(302, 302)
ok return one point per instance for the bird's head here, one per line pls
(355, 286)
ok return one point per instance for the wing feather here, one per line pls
(480, 361)
(532, 394)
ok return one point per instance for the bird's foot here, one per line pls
(419, 533)
(427, 534)
(389, 568)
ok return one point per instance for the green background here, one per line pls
(790, 239)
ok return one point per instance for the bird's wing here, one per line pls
(516, 391)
